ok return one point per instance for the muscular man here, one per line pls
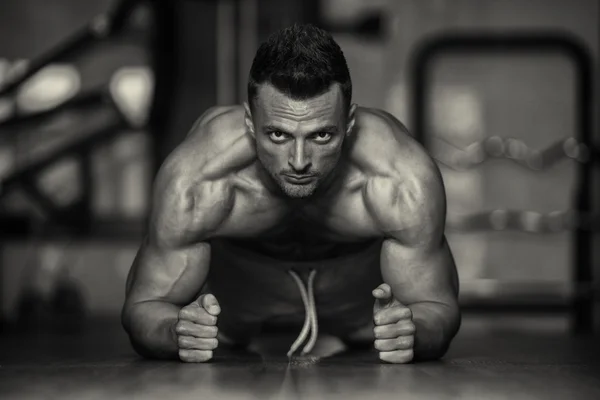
(298, 210)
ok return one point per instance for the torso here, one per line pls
(335, 224)
(212, 194)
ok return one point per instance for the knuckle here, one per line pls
(203, 355)
(177, 327)
(405, 342)
(206, 331)
(405, 327)
(407, 356)
(209, 299)
(192, 356)
(186, 313)
(183, 342)
(212, 331)
(184, 355)
(397, 357)
(378, 331)
(180, 328)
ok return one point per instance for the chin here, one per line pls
(298, 191)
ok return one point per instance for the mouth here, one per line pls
(299, 179)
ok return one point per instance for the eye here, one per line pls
(322, 137)
(277, 136)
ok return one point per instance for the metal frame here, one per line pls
(476, 43)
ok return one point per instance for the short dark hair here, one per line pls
(302, 61)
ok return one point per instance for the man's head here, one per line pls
(299, 107)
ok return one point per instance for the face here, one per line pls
(299, 142)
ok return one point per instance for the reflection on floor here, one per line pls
(482, 364)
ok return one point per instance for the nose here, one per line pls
(299, 160)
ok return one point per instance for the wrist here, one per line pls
(434, 332)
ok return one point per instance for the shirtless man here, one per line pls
(298, 210)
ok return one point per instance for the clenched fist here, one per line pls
(196, 329)
(394, 328)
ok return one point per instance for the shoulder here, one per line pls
(404, 191)
(191, 193)
(215, 122)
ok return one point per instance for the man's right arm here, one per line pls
(162, 280)
(172, 264)
(173, 261)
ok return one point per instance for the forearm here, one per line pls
(150, 328)
(436, 325)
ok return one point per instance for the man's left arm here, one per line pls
(422, 279)
(418, 266)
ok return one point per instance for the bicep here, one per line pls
(171, 274)
(173, 262)
(416, 259)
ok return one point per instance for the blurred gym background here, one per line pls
(95, 94)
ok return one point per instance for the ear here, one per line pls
(351, 119)
(248, 119)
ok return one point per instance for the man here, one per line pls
(298, 210)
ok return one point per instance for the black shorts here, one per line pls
(256, 292)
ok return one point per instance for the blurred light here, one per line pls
(495, 146)
(457, 113)
(531, 221)
(516, 149)
(575, 150)
(48, 88)
(60, 181)
(477, 153)
(571, 148)
(535, 160)
(499, 219)
(100, 25)
(141, 16)
(131, 89)
(459, 160)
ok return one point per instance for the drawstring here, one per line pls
(310, 316)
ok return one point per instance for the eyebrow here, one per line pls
(325, 129)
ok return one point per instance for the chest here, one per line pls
(340, 218)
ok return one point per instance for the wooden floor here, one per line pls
(480, 365)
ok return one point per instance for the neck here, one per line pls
(326, 187)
